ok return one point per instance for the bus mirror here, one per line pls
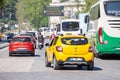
(81, 31)
(86, 19)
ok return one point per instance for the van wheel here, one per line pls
(47, 64)
(56, 66)
(90, 65)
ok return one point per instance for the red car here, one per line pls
(21, 44)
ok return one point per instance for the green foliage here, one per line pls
(32, 11)
(11, 22)
(89, 3)
(7, 12)
(63, 0)
(2, 2)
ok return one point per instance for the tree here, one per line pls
(32, 12)
(8, 11)
(2, 6)
(2, 2)
(63, 0)
(89, 3)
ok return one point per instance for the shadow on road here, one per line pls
(110, 57)
(82, 68)
(24, 55)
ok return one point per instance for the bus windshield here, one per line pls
(70, 26)
(112, 8)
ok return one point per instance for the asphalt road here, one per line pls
(25, 67)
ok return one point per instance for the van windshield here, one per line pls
(70, 26)
(112, 8)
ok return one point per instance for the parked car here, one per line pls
(21, 44)
(69, 50)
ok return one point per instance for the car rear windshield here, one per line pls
(23, 39)
(74, 41)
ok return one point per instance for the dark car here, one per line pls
(33, 33)
(9, 36)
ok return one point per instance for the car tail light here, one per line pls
(90, 49)
(100, 36)
(59, 48)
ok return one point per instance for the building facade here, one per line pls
(71, 7)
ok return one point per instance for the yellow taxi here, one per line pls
(69, 50)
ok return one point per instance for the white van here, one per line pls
(44, 31)
(53, 29)
(83, 18)
(68, 27)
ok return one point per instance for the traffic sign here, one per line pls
(54, 10)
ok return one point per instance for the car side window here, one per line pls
(55, 40)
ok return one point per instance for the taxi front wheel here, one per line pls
(90, 65)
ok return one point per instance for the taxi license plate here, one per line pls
(21, 48)
(76, 59)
